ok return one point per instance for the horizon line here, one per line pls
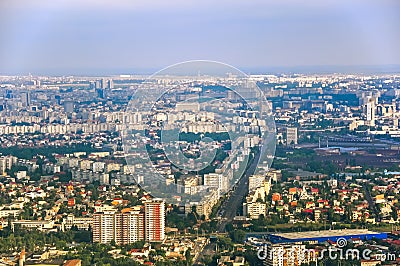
(250, 70)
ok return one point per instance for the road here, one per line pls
(229, 208)
(371, 203)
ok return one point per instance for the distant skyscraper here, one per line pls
(111, 84)
(103, 84)
(98, 84)
(25, 98)
(369, 110)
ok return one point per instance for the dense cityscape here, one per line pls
(72, 195)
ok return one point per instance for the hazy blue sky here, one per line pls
(97, 36)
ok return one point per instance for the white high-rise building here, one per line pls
(369, 110)
(103, 227)
(125, 227)
(133, 227)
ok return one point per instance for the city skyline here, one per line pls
(199, 133)
(127, 38)
(71, 177)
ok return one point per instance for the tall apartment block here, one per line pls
(131, 224)
(155, 220)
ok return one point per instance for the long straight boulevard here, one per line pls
(229, 208)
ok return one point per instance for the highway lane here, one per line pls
(229, 208)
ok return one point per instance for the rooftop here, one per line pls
(325, 233)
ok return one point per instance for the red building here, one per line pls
(71, 202)
(155, 220)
